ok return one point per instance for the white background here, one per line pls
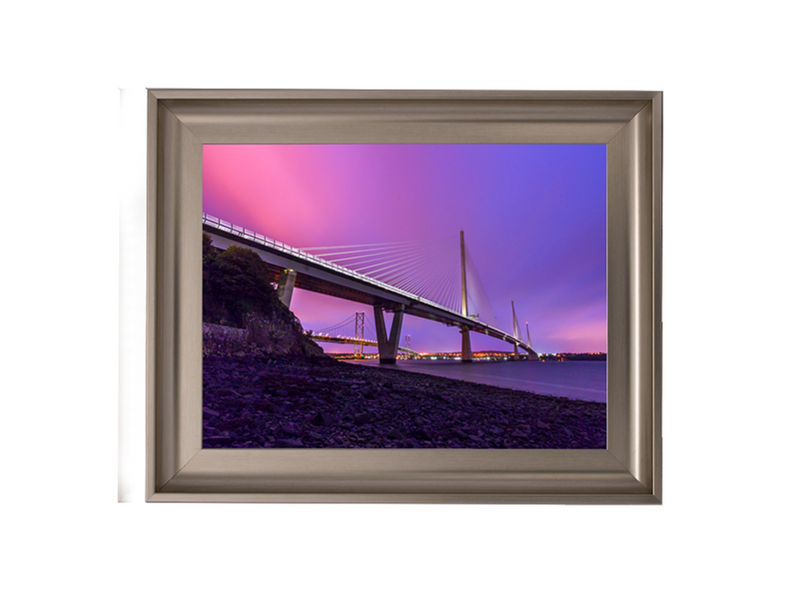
(73, 285)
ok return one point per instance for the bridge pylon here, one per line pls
(466, 342)
(388, 344)
(531, 355)
(360, 327)
(516, 331)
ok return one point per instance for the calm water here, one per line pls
(577, 380)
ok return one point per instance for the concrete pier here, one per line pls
(388, 345)
(286, 283)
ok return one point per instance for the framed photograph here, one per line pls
(404, 296)
(316, 252)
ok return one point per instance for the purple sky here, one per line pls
(534, 218)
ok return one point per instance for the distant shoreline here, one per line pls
(488, 356)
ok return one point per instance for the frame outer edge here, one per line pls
(390, 94)
(637, 147)
(658, 242)
(407, 498)
(150, 303)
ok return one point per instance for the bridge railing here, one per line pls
(314, 259)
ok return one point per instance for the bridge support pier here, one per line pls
(466, 345)
(286, 284)
(388, 345)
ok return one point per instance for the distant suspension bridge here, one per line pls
(356, 331)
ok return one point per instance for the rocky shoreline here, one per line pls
(259, 401)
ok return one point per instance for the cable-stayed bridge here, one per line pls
(428, 281)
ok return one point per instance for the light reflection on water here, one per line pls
(579, 380)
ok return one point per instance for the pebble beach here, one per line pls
(259, 401)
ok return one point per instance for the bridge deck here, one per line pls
(321, 276)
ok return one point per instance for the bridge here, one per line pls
(398, 278)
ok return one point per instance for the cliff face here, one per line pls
(280, 334)
(241, 309)
(277, 336)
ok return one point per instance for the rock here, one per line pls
(216, 441)
(422, 434)
(324, 418)
(362, 418)
(289, 443)
(395, 434)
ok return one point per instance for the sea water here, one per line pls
(577, 379)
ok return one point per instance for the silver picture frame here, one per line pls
(178, 469)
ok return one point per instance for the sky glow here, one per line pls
(534, 218)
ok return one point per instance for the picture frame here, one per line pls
(178, 469)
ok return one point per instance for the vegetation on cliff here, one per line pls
(241, 309)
